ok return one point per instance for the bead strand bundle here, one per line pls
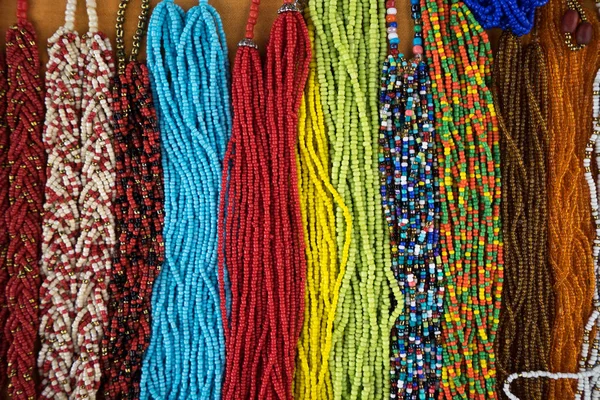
(138, 209)
(26, 159)
(326, 265)
(348, 53)
(64, 79)
(521, 97)
(459, 54)
(273, 278)
(516, 16)
(4, 238)
(407, 168)
(571, 225)
(95, 245)
(187, 59)
(588, 376)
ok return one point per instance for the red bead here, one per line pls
(569, 21)
(584, 33)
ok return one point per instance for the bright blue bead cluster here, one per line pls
(187, 58)
(517, 16)
(410, 200)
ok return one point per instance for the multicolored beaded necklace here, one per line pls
(95, 245)
(61, 228)
(138, 208)
(261, 202)
(187, 59)
(411, 208)
(26, 179)
(459, 54)
(349, 51)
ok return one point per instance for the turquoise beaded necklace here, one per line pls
(187, 58)
(410, 204)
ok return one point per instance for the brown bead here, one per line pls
(584, 33)
(570, 21)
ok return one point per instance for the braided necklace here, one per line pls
(469, 169)
(187, 59)
(411, 209)
(517, 16)
(26, 177)
(138, 209)
(525, 328)
(261, 201)
(326, 265)
(4, 238)
(348, 52)
(61, 227)
(94, 247)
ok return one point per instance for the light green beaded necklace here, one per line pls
(349, 48)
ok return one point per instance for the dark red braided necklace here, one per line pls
(138, 211)
(261, 203)
(26, 158)
(3, 208)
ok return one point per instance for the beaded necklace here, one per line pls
(469, 171)
(4, 238)
(525, 328)
(326, 265)
(61, 228)
(411, 209)
(517, 16)
(187, 59)
(348, 52)
(26, 177)
(588, 376)
(138, 208)
(262, 202)
(95, 245)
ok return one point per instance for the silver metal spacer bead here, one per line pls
(289, 7)
(247, 43)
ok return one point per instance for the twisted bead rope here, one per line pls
(326, 265)
(26, 159)
(348, 58)
(138, 209)
(94, 247)
(459, 54)
(570, 224)
(64, 78)
(187, 57)
(4, 238)
(521, 97)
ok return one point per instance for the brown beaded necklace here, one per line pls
(521, 97)
(138, 210)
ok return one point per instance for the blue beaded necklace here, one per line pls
(411, 208)
(187, 58)
(518, 16)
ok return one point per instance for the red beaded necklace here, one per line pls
(4, 239)
(26, 159)
(266, 271)
(138, 210)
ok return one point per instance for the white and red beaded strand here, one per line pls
(588, 376)
(93, 250)
(61, 212)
